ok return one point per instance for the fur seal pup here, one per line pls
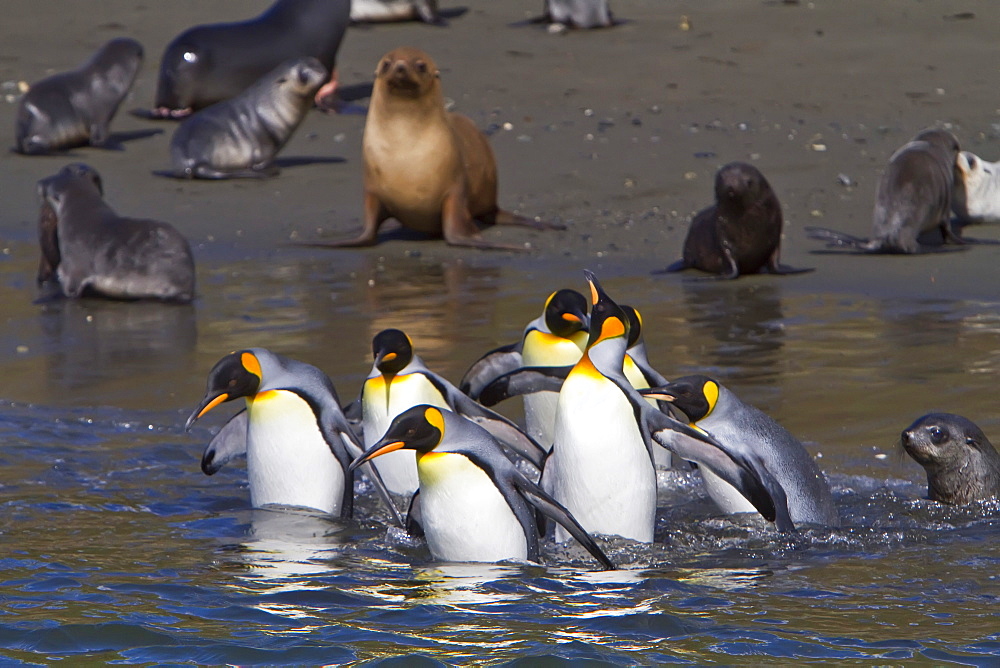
(75, 108)
(976, 198)
(241, 136)
(741, 232)
(962, 465)
(211, 63)
(379, 11)
(913, 197)
(430, 169)
(88, 249)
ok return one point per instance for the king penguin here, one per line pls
(601, 464)
(475, 504)
(298, 444)
(398, 380)
(712, 407)
(556, 338)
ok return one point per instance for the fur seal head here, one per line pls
(962, 465)
(409, 73)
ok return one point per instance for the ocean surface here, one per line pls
(114, 547)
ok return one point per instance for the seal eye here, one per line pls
(384, 67)
(937, 435)
(421, 67)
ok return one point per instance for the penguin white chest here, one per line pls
(288, 460)
(543, 349)
(465, 516)
(380, 404)
(600, 467)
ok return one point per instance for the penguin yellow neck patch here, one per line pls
(611, 328)
(251, 364)
(435, 419)
(711, 392)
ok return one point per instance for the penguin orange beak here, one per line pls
(206, 405)
(376, 450)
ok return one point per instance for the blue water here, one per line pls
(116, 548)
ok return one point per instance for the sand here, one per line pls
(616, 132)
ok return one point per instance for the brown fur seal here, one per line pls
(430, 169)
(75, 108)
(211, 63)
(913, 197)
(961, 464)
(241, 136)
(88, 249)
(741, 232)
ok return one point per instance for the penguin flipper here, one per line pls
(414, 517)
(354, 451)
(526, 380)
(353, 412)
(551, 508)
(746, 473)
(489, 367)
(228, 444)
(498, 425)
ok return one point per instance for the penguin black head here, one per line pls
(607, 320)
(695, 395)
(634, 324)
(566, 313)
(236, 375)
(393, 350)
(420, 428)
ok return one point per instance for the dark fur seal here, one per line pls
(241, 136)
(741, 232)
(75, 108)
(961, 464)
(913, 197)
(430, 169)
(88, 249)
(211, 63)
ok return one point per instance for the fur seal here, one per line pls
(88, 249)
(211, 63)
(976, 198)
(961, 464)
(913, 197)
(75, 108)
(430, 169)
(241, 136)
(378, 11)
(741, 232)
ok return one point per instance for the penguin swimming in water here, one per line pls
(475, 504)
(601, 464)
(298, 444)
(555, 338)
(398, 380)
(743, 428)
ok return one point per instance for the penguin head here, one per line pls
(697, 396)
(607, 320)
(393, 351)
(420, 428)
(566, 313)
(236, 375)
(634, 324)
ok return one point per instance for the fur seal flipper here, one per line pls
(962, 465)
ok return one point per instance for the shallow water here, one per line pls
(117, 547)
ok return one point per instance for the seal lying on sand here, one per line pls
(977, 189)
(211, 63)
(88, 249)
(378, 11)
(75, 108)
(430, 169)
(741, 232)
(241, 136)
(913, 197)
(962, 465)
